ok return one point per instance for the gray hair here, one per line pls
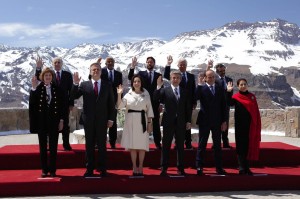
(175, 72)
(182, 60)
(57, 59)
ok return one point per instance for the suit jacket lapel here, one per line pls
(102, 90)
(90, 88)
(171, 93)
(208, 91)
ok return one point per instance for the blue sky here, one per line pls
(67, 23)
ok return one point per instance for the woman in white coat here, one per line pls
(138, 122)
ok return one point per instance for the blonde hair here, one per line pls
(44, 71)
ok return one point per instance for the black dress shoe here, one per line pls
(88, 174)
(199, 171)
(221, 172)
(181, 172)
(113, 146)
(163, 173)
(249, 172)
(67, 147)
(44, 174)
(52, 174)
(242, 172)
(103, 174)
(188, 146)
(227, 146)
(158, 146)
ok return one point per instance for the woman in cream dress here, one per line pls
(138, 122)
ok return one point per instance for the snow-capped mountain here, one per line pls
(264, 52)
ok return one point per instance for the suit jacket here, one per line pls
(175, 111)
(190, 85)
(96, 110)
(44, 117)
(228, 95)
(212, 107)
(66, 83)
(118, 79)
(149, 87)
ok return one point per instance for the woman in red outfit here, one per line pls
(247, 126)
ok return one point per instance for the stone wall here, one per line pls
(279, 120)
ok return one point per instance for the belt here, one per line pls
(143, 117)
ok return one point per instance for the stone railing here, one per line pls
(286, 121)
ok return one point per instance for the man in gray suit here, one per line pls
(176, 119)
(98, 115)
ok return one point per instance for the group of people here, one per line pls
(102, 94)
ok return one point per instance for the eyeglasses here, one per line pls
(57, 62)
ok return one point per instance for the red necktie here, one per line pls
(96, 88)
(57, 78)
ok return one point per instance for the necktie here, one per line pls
(212, 89)
(183, 80)
(150, 77)
(57, 78)
(223, 83)
(96, 88)
(110, 76)
(176, 93)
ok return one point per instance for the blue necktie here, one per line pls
(183, 80)
(176, 93)
(212, 89)
(110, 76)
(150, 77)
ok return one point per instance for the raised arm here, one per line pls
(168, 67)
(134, 63)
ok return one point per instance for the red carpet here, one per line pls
(279, 169)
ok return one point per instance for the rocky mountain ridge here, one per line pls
(266, 53)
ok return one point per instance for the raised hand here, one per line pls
(229, 86)
(99, 60)
(134, 62)
(120, 89)
(39, 62)
(169, 60)
(34, 82)
(76, 78)
(210, 64)
(160, 81)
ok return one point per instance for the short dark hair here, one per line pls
(142, 82)
(151, 58)
(220, 66)
(239, 80)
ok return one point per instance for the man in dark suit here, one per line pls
(211, 117)
(150, 83)
(223, 80)
(176, 119)
(98, 115)
(187, 82)
(63, 79)
(115, 78)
